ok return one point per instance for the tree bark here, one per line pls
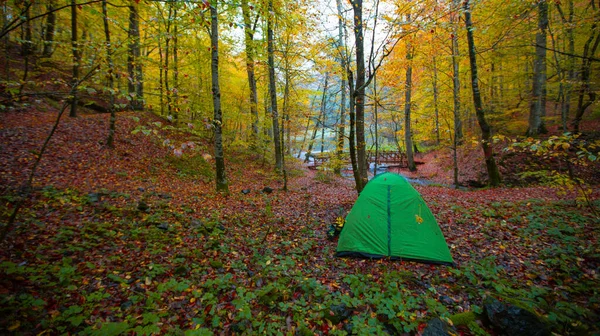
(50, 29)
(568, 86)
(27, 43)
(488, 152)
(538, 102)
(435, 103)
(166, 59)
(352, 135)
(343, 60)
(407, 105)
(249, 39)
(76, 57)
(273, 88)
(111, 127)
(175, 89)
(586, 69)
(134, 63)
(458, 129)
(221, 180)
(359, 97)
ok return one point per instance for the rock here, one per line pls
(246, 191)
(139, 289)
(163, 226)
(126, 305)
(512, 320)
(142, 206)
(337, 313)
(94, 197)
(448, 301)
(267, 190)
(348, 327)
(437, 327)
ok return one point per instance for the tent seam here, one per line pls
(389, 220)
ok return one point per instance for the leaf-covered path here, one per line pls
(135, 239)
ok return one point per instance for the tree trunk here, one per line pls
(50, 29)
(249, 39)
(586, 69)
(111, 127)
(352, 135)
(359, 97)
(488, 152)
(342, 55)
(320, 120)
(134, 63)
(221, 181)
(76, 57)
(312, 104)
(568, 86)
(407, 104)
(376, 116)
(435, 103)
(458, 129)
(161, 76)
(27, 43)
(538, 103)
(167, 52)
(286, 112)
(273, 89)
(175, 89)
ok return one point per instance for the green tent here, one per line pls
(390, 219)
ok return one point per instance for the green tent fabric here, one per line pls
(390, 219)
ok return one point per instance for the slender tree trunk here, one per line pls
(571, 71)
(312, 104)
(249, 39)
(110, 140)
(161, 77)
(359, 97)
(286, 112)
(27, 43)
(50, 29)
(221, 181)
(134, 63)
(76, 57)
(407, 104)
(176, 109)
(586, 69)
(435, 103)
(376, 115)
(273, 89)
(458, 128)
(343, 60)
(6, 40)
(488, 152)
(167, 61)
(321, 117)
(352, 135)
(538, 103)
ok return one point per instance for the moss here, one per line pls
(463, 318)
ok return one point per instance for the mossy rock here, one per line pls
(465, 318)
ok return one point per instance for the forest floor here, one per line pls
(135, 239)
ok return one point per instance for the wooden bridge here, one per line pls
(390, 158)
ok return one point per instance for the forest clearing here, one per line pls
(153, 178)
